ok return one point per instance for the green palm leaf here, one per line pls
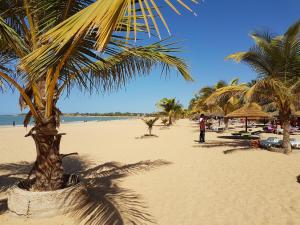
(115, 71)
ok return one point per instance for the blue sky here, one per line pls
(221, 27)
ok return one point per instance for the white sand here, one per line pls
(201, 186)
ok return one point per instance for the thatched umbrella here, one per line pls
(249, 111)
(214, 114)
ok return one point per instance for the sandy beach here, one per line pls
(193, 184)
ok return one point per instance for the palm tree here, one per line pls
(276, 60)
(165, 121)
(198, 102)
(150, 123)
(171, 107)
(203, 102)
(226, 103)
(55, 45)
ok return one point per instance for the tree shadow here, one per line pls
(107, 202)
(238, 137)
(298, 178)
(163, 127)
(145, 136)
(236, 149)
(13, 172)
(3, 206)
(215, 144)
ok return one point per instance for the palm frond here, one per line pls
(150, 121)
(166, 104)
(274, 56)
(234, 81)
(268, 88)
(225, 93)
(292, 34)
(220, 84)
(108, 15)
(10, 40)
(238, 56)
(102, 18)
(114, 72)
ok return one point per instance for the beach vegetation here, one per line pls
(150, 123)
(225, 103)
(164, 121)
(171, 108)
(48, 47)
(276, 61)
(206, 102)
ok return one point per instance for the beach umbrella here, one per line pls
(249, 111)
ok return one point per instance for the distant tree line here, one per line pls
(134, 114)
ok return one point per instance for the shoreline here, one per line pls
(96, 116)
(67, 115)
(79, 121)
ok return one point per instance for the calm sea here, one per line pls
(7, 120)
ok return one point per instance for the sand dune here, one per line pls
(196, 184)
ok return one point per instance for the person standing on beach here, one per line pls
(202, 128)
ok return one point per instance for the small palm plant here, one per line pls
(150, 123)
(164, 121)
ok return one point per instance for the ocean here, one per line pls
(7, 120)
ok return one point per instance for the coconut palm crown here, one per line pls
(47, 47)
(197, 104)
(171, 108)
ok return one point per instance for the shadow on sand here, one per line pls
(236, 145)
(145, 136)
(107, 203)
(163, 127)
(237, 137)
(3, 206)
(217, 143)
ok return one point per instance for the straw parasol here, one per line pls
(214, 113)
(249, 111)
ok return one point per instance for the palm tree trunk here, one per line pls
(150, 131)
(48, 166)
(170, 120)
(226, 123)
(286, 135)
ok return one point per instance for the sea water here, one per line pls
(8, 120)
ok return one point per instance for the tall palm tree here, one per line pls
(55, 45)
(276, 60)
(171, 107)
